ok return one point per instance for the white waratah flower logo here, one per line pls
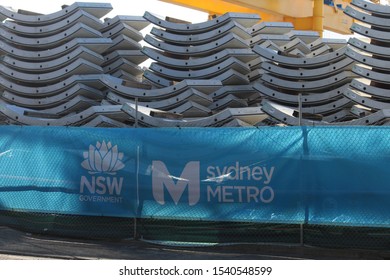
(104, 158)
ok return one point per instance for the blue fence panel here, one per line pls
(227, 174)
(316, 175)
(67, 170)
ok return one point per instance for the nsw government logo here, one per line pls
(103, 161)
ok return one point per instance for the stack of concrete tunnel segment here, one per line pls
(347, 86)
(54, 67)
(370, 92)
(226, 49)
(76, 68)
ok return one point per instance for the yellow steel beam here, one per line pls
(296, 8)
(219, 7)
(318, 16)
(333, 19)
(301, 23)
(337, 21)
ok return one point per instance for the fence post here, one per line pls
(135, 229)
(300, 108)
(136, 113)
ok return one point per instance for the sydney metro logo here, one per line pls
(102, 161)
(227, 184)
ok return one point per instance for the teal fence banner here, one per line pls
(312, 175)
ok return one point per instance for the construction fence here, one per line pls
(321, 186)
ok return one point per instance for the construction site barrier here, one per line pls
(297, 175)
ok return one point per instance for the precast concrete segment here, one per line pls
(360, 111)
(130, 78)
(55, 28)
(277, 28)
(97, 45)
(95, 81)
(285, 115)
(136, 22)
(125, 65)
(191, 109)
(372, 8)
(333, 43)
(188, 109)
(229, 101)
(325, 109)
(157, 80)
(75, 104)
(124, 29)
(377, 118)
(16, 115)
(246, 20)
(259, 39)
(382, 36)
(256, 63)
(320, 51)
(205, 73)
(98, 10)
(365, 87)
(339, 116)
(367, 101)
(55, 100)
(122, 42)
(255, 75)
(306, 36)
(381, 51)
(79, 30)
(249, 114)
(79, 66)
(244, 55)
(232, 77)
(296, 44)
(241, 91)
(306, 86)
(190, 94)
(237, 123)
(135, 56)
(368, 60)
(368, 73)
(102, 121)
(372, 20)
(115, 85)
(229, 41)
(301, 62)
(271, 46)
(296, 53)
(328, 108)
(55, 64)
(307, 98)
(309, 74)
(203, 38)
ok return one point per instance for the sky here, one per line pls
(121, 7)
